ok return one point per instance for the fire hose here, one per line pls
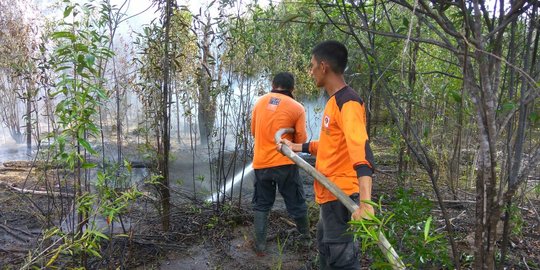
(385, 246)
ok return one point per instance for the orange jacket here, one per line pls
(343, 152)
(272, 112)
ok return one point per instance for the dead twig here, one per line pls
(450, 220)
(290, 223)
(525, 262)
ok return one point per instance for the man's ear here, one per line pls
(324, 67)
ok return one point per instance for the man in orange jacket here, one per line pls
(342, 154)
(273, 111)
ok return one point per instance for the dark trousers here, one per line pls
(287, 179)
(337, 248)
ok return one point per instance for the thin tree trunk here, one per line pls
(177, 96)
(165, 127)
(411, 79)
(28, 118)
(509, 135)
(454, 170)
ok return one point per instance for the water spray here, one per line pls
(230, 183)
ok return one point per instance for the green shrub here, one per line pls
(409, 228)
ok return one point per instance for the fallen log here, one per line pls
(22, 164)
(36, 192)
(42, 164)
(14, 169)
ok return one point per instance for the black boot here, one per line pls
(260, 223)
(302, 225)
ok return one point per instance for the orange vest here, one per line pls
(343, 146)
(272, 112)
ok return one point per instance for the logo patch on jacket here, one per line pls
(273, 104)
(326, 121)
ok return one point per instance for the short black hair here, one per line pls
(334, 53)
(283, 80)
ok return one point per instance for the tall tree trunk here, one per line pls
(454, 172)
(165, 127)
(488, 209)
(206, 106)
(404, 156)
(516, 156)
(509, 134)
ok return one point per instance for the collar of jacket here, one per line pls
(283, 92)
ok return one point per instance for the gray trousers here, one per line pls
(287, 180)
(337, 248)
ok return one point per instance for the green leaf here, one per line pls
(79, 47)
(405, 22)
(288, 19)
(58, 69)
(87, 146)
(455, 96)
(370, 202)
(508, 106)
(437, 237)
(63, 34)
(89, 165)
(94, 252)
(80, 67)
(90, 60)
(68, 10)
(533, 117)
(426, 228)
(127, 164)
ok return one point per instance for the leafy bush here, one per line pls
(408, 227)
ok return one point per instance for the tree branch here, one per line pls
(517, 9)
(385, 34)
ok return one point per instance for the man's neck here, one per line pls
(334, 84)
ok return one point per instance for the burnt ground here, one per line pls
(201, 237)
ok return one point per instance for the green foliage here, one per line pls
(534, 117)
(281, 244)
(200, 178)
(516, 222)
(409, 228)
(87, 243)
(109, 203)
(154, 180)
(78, 45)
(212, 223)
(276, 38)
(114, 200)
(412, 214)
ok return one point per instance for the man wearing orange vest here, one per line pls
(273, 111)
(342, 154)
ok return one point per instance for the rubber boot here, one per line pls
(302, 225)
(261, 224)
